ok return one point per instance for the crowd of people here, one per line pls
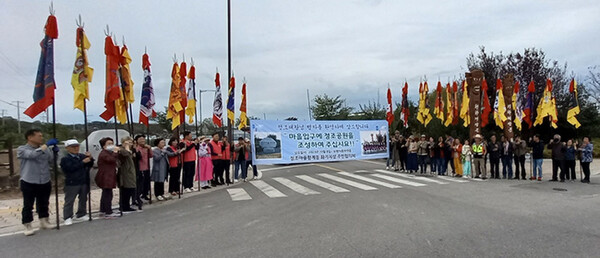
(453, 157)
(131, 167)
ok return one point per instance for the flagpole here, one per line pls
(85, 129)
(229, 122)
(117, 144)
(55, 164)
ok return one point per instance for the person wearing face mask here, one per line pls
(204, 170)
(35, 157)
(106, 177)
(127, 176)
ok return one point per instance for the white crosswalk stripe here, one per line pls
(267, 189)
(398, 180)
(456, 180)
(295, 186)
(325, 185)
(238, 194)
(348, 182)
(370, 180)
(424, 179)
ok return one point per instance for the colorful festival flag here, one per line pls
(218, 103)
(43, 92)
(243, 116)
(390, 112)
(182, 90)
(423, 115)
(125, 72)
(190, 110)
(528, 111)
(449, 106)
(499, 106)
(82, 73)
(574, 105)
(147, 100)
(547, 107)
(464, 109)
(438, 110)
(517, 102)
(486, 108)
(405, 111)
(231, 100)
(454, 103)
(113, 100)
(174, 108)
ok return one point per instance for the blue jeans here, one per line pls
(537, 167)
(422, 163)
(390, 160)
(243, 165)
(434, 164)
(507, 166)
(441, 166)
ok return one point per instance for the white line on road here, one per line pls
(286, 167)
(398, 180)
(238, 194)
(425, 179)
(456, 180)
(268, 189)
(370, 180)
(295, 186)
(328, 186)
(348, 182)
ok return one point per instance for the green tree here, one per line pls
(371, 111)
(161, 119)
(327, 108)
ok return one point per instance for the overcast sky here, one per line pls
(352, 48)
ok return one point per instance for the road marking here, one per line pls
(456, 180)
(328, 186)
(361, 171)
(373, 162)
(286, 167)
(370, 180)
(268, 189)
(328, 167)
(348, 182)
(422, 179)
(295, 186)
(398, 180)
(238, 194)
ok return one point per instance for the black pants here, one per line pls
(139, 186)
(556, 164)
(126, 195)
(520, 166)
(159, 189)
(403, 161)
(227, 168)
(569, 170)
(217, 171)
(585, 166)
(254, 171)
(146, 183)
(189, 167)
(495, 167)
(174, 179)
(72, 192)
(106, 200)
(38, 193)
(447, 161)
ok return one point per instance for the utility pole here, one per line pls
(3, 112)
(18, 114)
(308, 99)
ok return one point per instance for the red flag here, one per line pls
(528, 117)
(405, 111)
(113, 89)
(390, 111)
(455, 105)
(485, 113)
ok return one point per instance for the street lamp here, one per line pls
(200, 105)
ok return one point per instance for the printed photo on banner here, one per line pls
(373, 142)
(268, 145)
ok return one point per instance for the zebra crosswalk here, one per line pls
(339, 182)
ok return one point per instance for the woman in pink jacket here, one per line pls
(204, 167)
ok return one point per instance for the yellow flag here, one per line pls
(574, 110)
(449, 108)
(547, 107)
(82, 73)
(174, 108)
(464, 106)
(517, 107)
(499, 106)
(423, 115)
(190, 109)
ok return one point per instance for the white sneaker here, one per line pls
(387, 168)
(235, 180)
(160, 198)
(82, 218)
(68, 222)
(187, 190)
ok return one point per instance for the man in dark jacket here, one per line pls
(493, 148)
(76, 167)
(537, 155)
(506, 153)
(558, 158)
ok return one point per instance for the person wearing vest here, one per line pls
(226, 159)
(204, 170)
(478, 154)
(537, 153)
(189, 162)
(76, 167)
(520, 150)
(216, 154)
(493, 148)
(35, 157)
(241, 150)
(174, 154)
(143, 155)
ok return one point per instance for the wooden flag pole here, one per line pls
(55, 168)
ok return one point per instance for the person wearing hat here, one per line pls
(204, 170)
(76, 167)
(478, 154)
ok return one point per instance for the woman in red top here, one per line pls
(174, 155)
(106, 178)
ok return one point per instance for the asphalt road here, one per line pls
(439, 218)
